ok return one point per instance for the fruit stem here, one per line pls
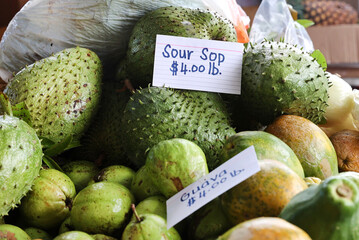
(135, 212)
(344, 191)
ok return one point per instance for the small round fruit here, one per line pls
(102, 237)
(346, 144)
(311, 145)
(36, 233)
(49, 201)
(154, 204)
(150, 227)
(74, 235)
(80, 172)
(115, 173)
(266, 145)
(102, 207)
(264, 194)
(8, 231)
(174, 164)
(268, 228)
(66, 226)
(142, 186)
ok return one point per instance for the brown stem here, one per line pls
(135, 212)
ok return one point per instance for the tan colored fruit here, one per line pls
(265, 228)
(346, 144)
(311, 145)
(263, 194)
(330, 12)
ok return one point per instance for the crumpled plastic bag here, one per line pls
(43, 27)
(273, 21)
(231, 10)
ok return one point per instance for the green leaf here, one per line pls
(319, 57)
(305, 22)
(46, 143)
(5, 104)
(73, 144)
(58, 148)
(51, 163)
(21, 111)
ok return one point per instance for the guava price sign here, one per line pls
(198, 64)
(220, 180)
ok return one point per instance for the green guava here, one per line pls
(102, 207)
(8, 231)
(154, 204)
(142, 186)
(148, 227)
(80, 172)
(174, 164)
(36, 233)
(115, 173)
(74, 235)
(49, 202)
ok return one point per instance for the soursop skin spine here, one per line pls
(20, 161)
(155, 114)
(279, 78)
(175, 21)
(61, 92)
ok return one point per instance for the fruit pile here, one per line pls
(89, 152)
(326, 12)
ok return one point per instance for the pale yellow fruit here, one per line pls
(341, 100)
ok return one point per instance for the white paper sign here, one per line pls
(198, 64)
(220, 180)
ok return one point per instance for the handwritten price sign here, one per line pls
(220, 180)
(214, 61)
(198, 64)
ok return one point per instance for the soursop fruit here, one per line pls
(175, 21)
(20, 161)
(61, 92)
(101, 142)
(279, 78)
(155, 114)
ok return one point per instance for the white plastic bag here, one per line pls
(273, 21)
(43, 27)
(232, 11)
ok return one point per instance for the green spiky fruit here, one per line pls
(155, 114)
(279, 78)
(20, 161)
(175, 21)
(102, 142)
(61, 92)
